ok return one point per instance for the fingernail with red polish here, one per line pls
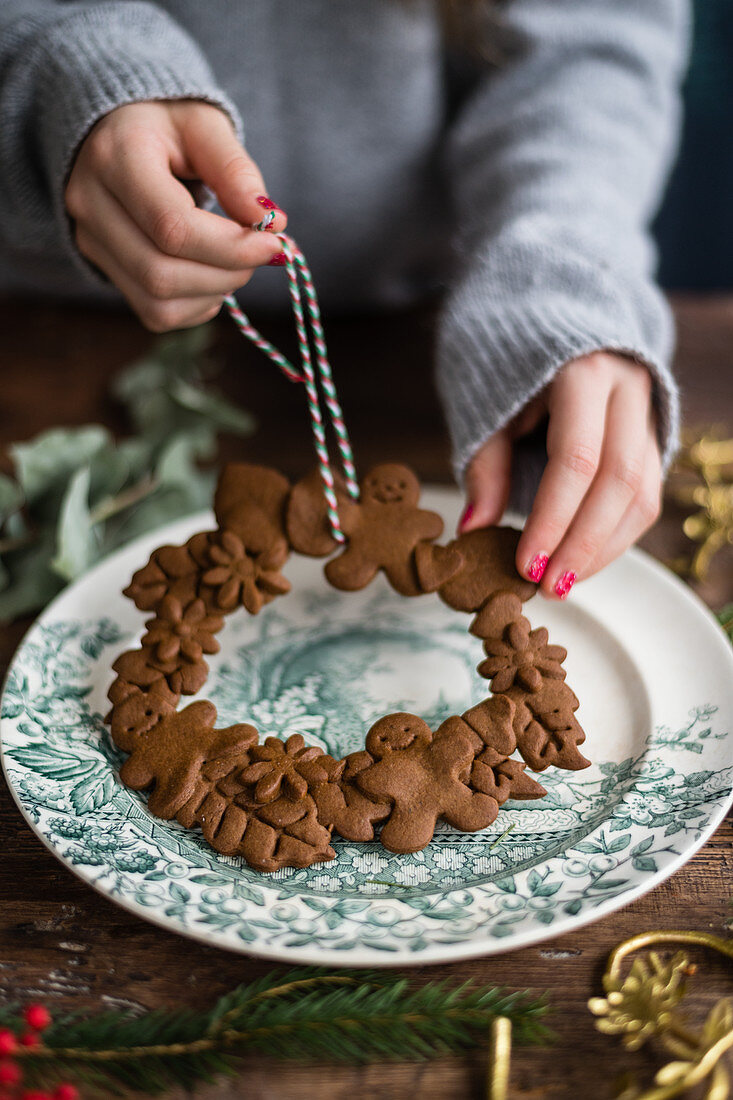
(537, 566)
(466, 517)
(267, 203)
(566, 582)
(278, 260)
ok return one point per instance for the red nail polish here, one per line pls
(267, 203)
(278, 260)
(537, 566)
(566, 582)
(466, 517)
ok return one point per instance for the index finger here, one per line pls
(574, 441)
(165, 211)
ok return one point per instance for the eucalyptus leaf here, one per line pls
(11, 497)
(109, 472)
(32, 583)
(48, 460)
(15, 526)
(163, 506)
(84, 493)
(176, 467)
(77, 541)
(215, 408)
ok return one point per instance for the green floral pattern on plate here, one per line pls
(612, 830)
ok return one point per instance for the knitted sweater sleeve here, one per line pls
(556, 161)
(62, 67)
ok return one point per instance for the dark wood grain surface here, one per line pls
(64, 943)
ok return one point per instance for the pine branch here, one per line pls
(307, 1014)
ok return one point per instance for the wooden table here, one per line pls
(62, 942)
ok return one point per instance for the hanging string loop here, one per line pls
(298, 272)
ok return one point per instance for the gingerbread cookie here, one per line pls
(546, 727)
(488, 567)
(276, 804)
(382, 530)
(171, 760)
(284, 829)
(170, 571)
(307, 525)
(341, 805)
(523, 659)
(419, 774)
(251, 501)
(490, 727)
(139, 711)
(182, 629)
(497, 613)
(237, 577)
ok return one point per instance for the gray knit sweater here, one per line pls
(522, 189)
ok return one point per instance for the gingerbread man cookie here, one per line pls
(419, 774)
(170, 759)
(383, 531)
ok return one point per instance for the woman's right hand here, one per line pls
(139, 224)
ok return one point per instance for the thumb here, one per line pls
(224, 165)
(487, 483)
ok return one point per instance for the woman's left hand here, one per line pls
(601, 488)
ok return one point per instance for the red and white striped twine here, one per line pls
(297, 270)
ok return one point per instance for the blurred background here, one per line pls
(695, 226)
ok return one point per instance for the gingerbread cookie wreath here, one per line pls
(277, 803)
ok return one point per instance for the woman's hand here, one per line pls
(601, 487)
(137, 222)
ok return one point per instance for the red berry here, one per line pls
(29, 1039)
(33, 1095)
(8, 1042)
(37, 1016)
(10, 1073)
(66, 1092)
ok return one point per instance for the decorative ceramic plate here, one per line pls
(653, 671)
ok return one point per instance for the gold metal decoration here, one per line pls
(500, 1056)
(702, 478)
(644, 1005)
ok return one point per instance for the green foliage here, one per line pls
(77, 493)
(308, 1014)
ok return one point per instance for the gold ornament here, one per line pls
(644, 1005)
(708, 460)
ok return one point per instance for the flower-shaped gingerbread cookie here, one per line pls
(278, 833)
(238, 577)
(523, 657)
(288, 768)
(419, 774)
(182, 631)
(170, 571)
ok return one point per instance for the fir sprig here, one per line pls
(308, 1014)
